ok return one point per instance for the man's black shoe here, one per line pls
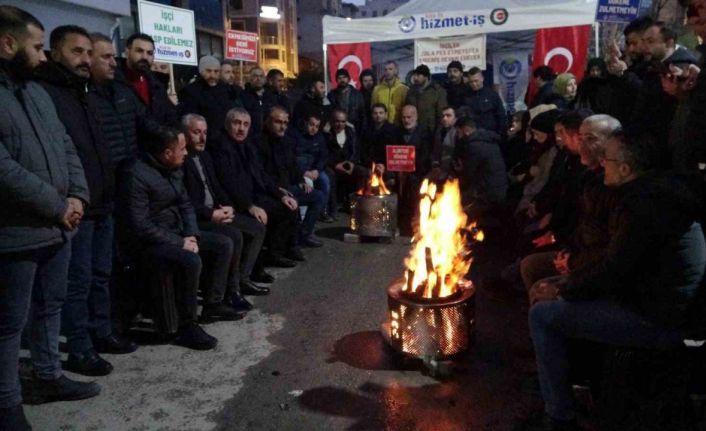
(220, 311)
(295, 253)
(280, 262)
(325, 218)
(13, 419)
(88, 363)
(262, 277)
(40, 391)
(193, 337)
(238, 302)
(250, 288)
(311, 241)
(114, 344)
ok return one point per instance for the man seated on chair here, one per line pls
(280, 162)
(636, 294)
(214, 212)
(158, 226)
(252, 190)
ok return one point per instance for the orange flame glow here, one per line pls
(375, 185)
(439, 259)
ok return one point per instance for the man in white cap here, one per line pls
(208, 96)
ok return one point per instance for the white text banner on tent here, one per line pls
(173, 31)
(459, 18)
(438, 53)
(511, 73)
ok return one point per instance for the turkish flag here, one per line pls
(564, 49)
(354, 57)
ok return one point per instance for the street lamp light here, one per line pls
(269, 12)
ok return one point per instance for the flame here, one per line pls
(375, 185)
(439, 258)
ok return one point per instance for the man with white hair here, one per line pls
(208, 96)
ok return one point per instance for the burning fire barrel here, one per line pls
(431, 313)
(431, 327)
(374, 209)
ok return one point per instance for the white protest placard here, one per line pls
(173, 31)
(438, 53)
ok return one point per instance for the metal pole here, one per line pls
(242, 81)
(597, 36)
(326, 68)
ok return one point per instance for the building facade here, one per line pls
(278, 44)
(376, 8)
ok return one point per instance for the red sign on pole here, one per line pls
(241, 45)
(401, 158)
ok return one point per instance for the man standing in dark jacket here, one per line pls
(160, 229)
(257, 101)
(427, 96)
(486, 105)
(43, 191)
(638, 294)
(135, 70)
(482, 168)
(215, 213)
(280, 162)
(346, 98)
(313, 102)
(276, 87)
(457, 92)
(207, 95)
(378, 137)
(87, 306)
(544, 82)
(253, 191)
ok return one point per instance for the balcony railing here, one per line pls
(270, 40)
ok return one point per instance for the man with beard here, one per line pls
(66, 77)
(456, 90)
(367, 85)
(136, 71)
(257, 101)
(313, 102)
(253, 191)
(215, 213)
(44, 192)
(378, 137)
(228, 74)
(427, 96)
(391, 92)
(444, 141)
(346, 98)
(343, 166)
(207, 95)
(276, 87)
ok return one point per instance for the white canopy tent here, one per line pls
(441, 18)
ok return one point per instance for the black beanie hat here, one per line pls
(545, 121)
(343, 72)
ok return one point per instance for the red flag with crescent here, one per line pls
(354, 57)
(564, 49)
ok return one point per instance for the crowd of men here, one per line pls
(109, 185)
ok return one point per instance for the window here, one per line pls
(364, 13)
(236, 4)
(375, 13)
(272, 54)
(237, 25)
(384, 12)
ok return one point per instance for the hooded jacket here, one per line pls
(429, 99)
(483, 175)
(76, 105)
(350, 101)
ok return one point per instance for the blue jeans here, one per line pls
(553, 323)
(33, 285)
(87, 305)
(315, 201)
(323, 183)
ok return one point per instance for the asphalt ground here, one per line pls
(311, 357)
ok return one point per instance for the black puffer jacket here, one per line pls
(488, 110)
(213, 103)
(76, 106)
(258, 105)
(278, 156)
(154, 207)
(120, 113)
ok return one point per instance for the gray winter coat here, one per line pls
(39, 168)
